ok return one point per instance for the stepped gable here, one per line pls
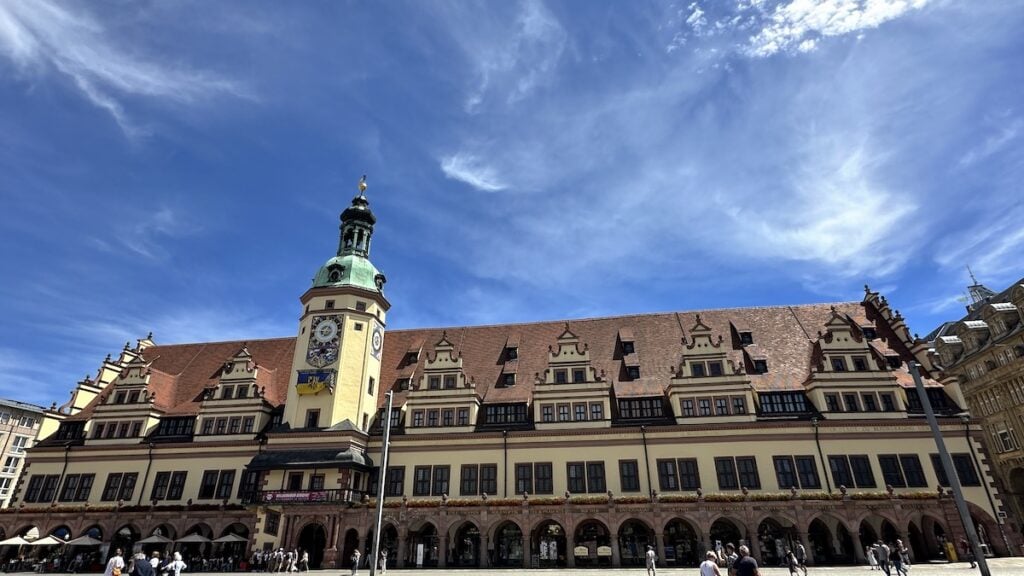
(180, 372)
(783, 336)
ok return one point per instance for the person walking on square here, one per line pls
(115, 565)
(355, 562)
(709, 567)
(869, 552)
(383, 562)
(746, 565)
(882, 553)
(791, 562)
(801, 557)
(896, 559)
(968, 554)
(652, 561)
(730, 559)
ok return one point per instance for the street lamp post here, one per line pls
(382, 478)
(947, 464)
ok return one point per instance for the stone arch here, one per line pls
(196, 549)
(312, 538)
(424, 532)
(724, 530)
(62, 531)
(124, 538)
(93, 530)
(464, 543)
(593, 535)
(548, 542)
(634, 536)
(774, 539)
(988, 529)
(830, 540)
(507, 544)
(389, 536)
(349, 544)
(683, 545)
(1016, 493)
(29, 532)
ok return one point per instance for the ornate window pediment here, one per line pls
(236, 378)
(444, 371)
(569, 361)
(704, 353)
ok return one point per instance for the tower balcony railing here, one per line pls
(291, 497)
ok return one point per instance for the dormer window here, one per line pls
(860, 364)
(411, 357)
(869, 333)
(403, 383)
(360, 306)
(715, 368)
(760, 366)
(120, 397)
(511, 353)
(633, 372)
(434, 382)
(697, 370)
(628, 348)
(579, 375)
(508, 379)
(226, 392)
(746, 338)
(449, 382)
(894, 362)
(133, 397)
(838, 364)
(329, 305)
(561, 376)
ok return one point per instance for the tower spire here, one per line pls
(979, 293)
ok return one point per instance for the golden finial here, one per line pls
(362, 185)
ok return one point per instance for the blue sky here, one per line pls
(179, 166)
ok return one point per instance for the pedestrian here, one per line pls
(896, 559)
(746, 565)
(904, 554)
(791, 562)
(801, 557)
(154, 560)
(730, 559)
(652, 561)
(968, 554)
(115, 565)
(709, 567)
(304, 563)
(355, 561)
(882, 554)
(383, 561)
(176, 565)
(141, 566)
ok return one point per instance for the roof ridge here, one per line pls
(622, 316)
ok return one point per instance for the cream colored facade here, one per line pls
(20, 425)
(548, 444)
(984, 353)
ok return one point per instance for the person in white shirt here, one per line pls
(652, 561)
(154, 561)
(115, 562)
(709, 567)
(176, 565)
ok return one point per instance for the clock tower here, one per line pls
(336, 368)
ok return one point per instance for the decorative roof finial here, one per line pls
(971, 274)
(362, 185)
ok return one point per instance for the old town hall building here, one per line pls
(569, 443)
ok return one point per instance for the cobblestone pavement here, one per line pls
(998, 567)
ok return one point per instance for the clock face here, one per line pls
(376, 341)
(323, 341)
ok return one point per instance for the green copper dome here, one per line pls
(349, 270)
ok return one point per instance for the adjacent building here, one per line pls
(20, 422)
(984, 353)
(569, 443)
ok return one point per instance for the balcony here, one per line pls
(291, 497)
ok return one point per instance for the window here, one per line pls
(119, 486)
(505, 413)
(448, 417)
(746, 338)
(120, 397)
(524, 478)
(358, 326)
(329, 304)
(628, 348)
(595, 478)
(783, 402)
(641, 408)
(629, 476)
(462, 416)
(177, 487)
(421, 481)
(851, 402)
(860, 364)
(441, 476)
(697, 369)
(432, 417)
(869, 402)
(563, 412)
(807, 472)
(5, 487)
(596, 411)
(704, 406)
(892, 474)
(97, 430)
(226, 392)
(35, 487)
(248, 424)
(747, 468)
(579, 375)
(489, 479)
(316, 482)
(725, 469)
(689, 476)
(249, 487)
(760, 366)
(687, 404)
(576, 476)
(160, 484)
(242, 391)
(222, 425)
(235, 424)
(832, 403)
(715, 368)
(863, 477)
(403, 383)
(721, 406)
(838, 364)
(633, 372)
(395, 482)
(561, 376)
(580, 411)
(360, 306)
(370, 385)
(511, 353)
(181, 426)
(469, 480)
(50, 489)
(449, 381)
(543, 478)
(784, 472)
(227, 481)
(841, 475)
(434, 382)
(208, 487)
(912, 471)
(668, 477)
(122, 429)
(417, 418)
(77, 487)
(11, 464)
(888, 403)
(18, 444)
(207, 426)
(111, 429)
(272, 522)
(547, 413)
(964, 470)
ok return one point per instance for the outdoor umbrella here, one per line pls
(48, 541)
(84, 541)
(156, 539)
(230, 538)
(16, 541)
(194, 538)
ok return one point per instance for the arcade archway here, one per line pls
(548, 544)
(591, 539)
(465, 546)
(313, 539)
(508, 546)
(682, 547)
(634, 538)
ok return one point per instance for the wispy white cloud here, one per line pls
(468, 168)
(1005, 133)
(798, 24)
(144, 234)
(990, 244)
(43, 35)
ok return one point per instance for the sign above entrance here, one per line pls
(314, 381)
